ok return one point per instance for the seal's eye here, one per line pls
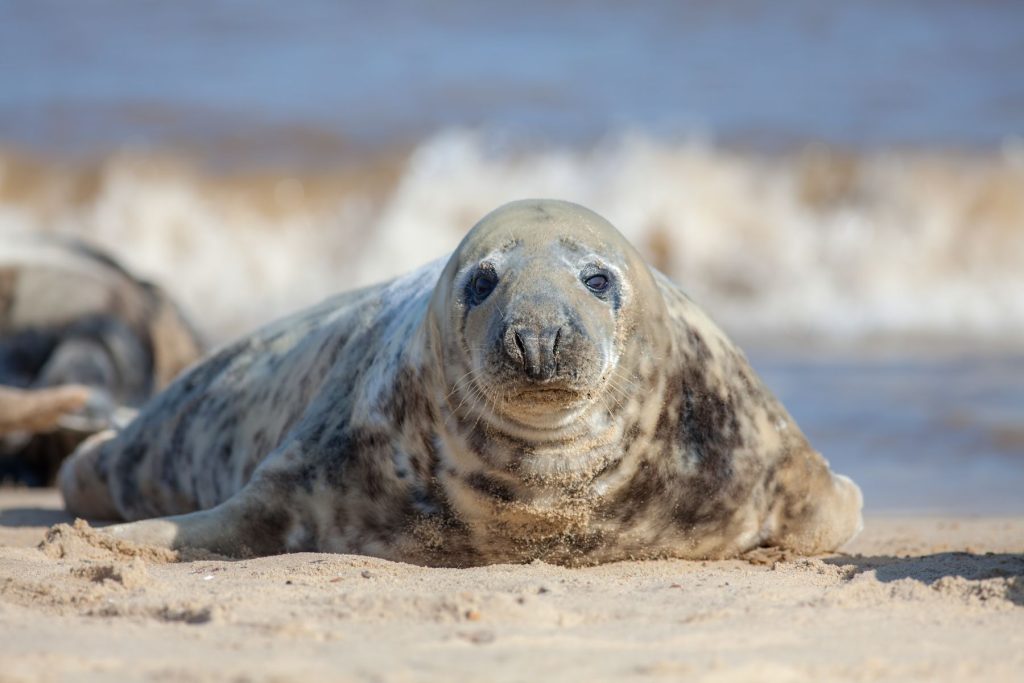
(483, 284)
(597, 283)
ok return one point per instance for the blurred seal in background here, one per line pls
(82, 343)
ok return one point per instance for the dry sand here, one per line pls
(914, 599)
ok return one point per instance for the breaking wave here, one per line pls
(817, 242)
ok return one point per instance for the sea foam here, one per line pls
(813, 242)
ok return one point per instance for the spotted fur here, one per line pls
(453, 418)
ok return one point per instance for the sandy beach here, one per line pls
(912, 598)
(839, 186)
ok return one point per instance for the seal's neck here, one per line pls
(566, 454)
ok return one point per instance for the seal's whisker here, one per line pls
(615, 383)
(616, 392)
(612, 397)
(456, 384)
(473, 390)
(464, 381)
(480, 396)
(479, 414)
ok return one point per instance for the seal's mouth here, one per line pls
(563, 396)
(545, 404)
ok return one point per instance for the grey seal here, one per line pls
(542, 394)
(82, 342)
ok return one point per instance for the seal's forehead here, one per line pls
(542, 223)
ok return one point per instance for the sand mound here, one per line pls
(79, 540)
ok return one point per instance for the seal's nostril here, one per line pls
(520, 345)
(554, 345)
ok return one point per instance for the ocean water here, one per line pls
(841, 185)
(269, 77)
(926, 433)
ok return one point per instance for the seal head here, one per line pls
(537, 306)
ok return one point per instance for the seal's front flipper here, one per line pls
(235, 528)
(162, 532)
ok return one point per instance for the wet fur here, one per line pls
(381, 422)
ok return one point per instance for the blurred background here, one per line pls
(840, 184)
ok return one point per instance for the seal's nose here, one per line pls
(533, 348)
